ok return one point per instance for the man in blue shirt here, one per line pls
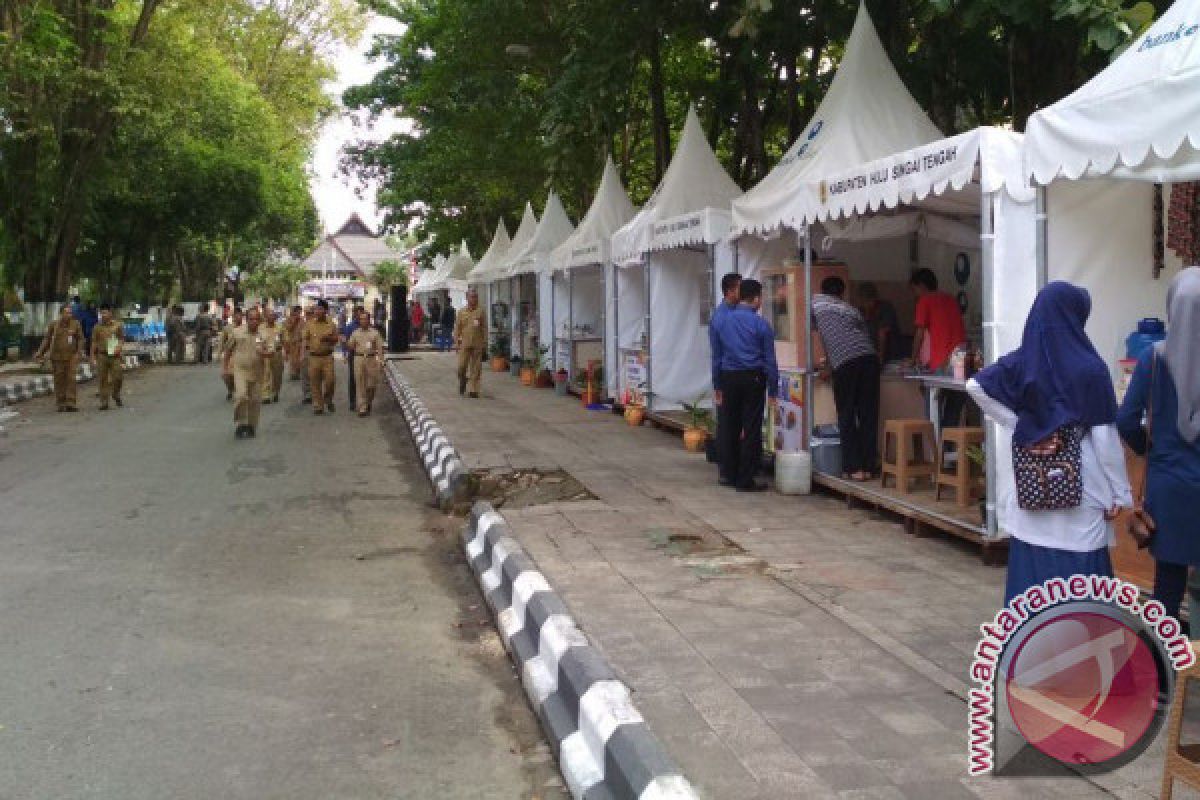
(345, 331)
(731, 283)
(744, 353)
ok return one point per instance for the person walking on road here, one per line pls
(246, 359)
(106, 355)
(416, 319)
(176, 337)
(1056, 395)
(748, 374)
(63, 344)
(235, 321)
(1165, 391)
(204, 331)
(345, 331)
(272, 336)
(294, 337)
(470, 337)
(447, 320)
(843, 337)
(320, 339)
(731, 284)
(367, 346)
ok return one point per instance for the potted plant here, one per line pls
(528, 373)
(561, 382)
(543, 377)
(500, 355)
(695, 435)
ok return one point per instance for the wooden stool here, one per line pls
(907, 441)
(1182, 762)
(966, 481)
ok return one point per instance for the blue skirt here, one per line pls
(1031, 565)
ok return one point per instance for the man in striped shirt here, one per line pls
(843, 338)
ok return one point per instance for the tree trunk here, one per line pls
(660, 125)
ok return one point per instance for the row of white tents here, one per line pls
(871, 181)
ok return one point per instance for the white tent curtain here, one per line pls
(629, 318)
(755, 255)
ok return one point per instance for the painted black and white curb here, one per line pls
(40, 385)
(604, 747)
(447, 472)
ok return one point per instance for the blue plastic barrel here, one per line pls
(1150, 331)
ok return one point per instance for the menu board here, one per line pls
(785, 432)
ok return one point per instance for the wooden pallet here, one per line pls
(921, 513)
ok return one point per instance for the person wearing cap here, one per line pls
(367, 346)
(470, 337)
(64, 345)
(234, 322)
(246, 358)
(106, 355)
(320, 339)
(272, 336)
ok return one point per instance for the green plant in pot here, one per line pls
(700, 425)
(978, 457)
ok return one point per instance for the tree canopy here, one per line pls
(510, 97)
(148, 148)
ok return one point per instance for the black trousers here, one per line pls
(856, 395)
(1170, 587)
(744, 397)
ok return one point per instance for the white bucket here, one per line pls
(793, 473)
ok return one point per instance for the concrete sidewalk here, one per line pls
(779, 646)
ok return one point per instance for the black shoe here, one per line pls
(239, 432)
(274, 398)
(228, 396)
(462, 386)
(473, 394)
(117, 400)
(331, 408)
(104, 407)
(306, 400)
(318, 411)
(752, 487)
(250, 431)
(724, 482)
(70, 408)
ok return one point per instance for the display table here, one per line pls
(933, 386)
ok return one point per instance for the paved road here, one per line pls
(183, 615)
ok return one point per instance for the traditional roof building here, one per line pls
(345, 260)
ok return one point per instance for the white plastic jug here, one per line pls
(793, 473)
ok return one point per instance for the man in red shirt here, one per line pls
(939, 331)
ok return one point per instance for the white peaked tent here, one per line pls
(506, 295)
(535, 324)
(425, 283)
(580, 301)
(1099, 152)
(676, 247)
(867, 113)
(451, 278)
(480, 277)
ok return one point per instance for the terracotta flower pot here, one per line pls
(694, 439)
(545, 380)
(590, 396)
(635, 415)
(527, 376)
(499, 364)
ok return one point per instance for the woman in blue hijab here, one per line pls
(1057, 380)
(1166, 389)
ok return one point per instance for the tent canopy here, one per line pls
(591, 241)
(452, 275)
(553, 230)
(495, 253)
(1138, 119)
(866, 114)
(945, 176)
(689, 207)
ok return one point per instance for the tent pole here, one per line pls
(809, 375)
(571, 366)
(553, 323)
(649, 340)
(713, 291)
(987, 228)
(611, 270)
(1043, 254)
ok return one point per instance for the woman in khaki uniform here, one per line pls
(367, 346)
(64, 345)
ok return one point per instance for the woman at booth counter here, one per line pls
(1165, 390)
(1055, 380)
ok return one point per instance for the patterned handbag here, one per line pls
(1049, 474)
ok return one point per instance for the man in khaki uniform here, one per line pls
(233, 324)
(246, 358)
(272, 336)
(63, 344)
(294, 337)
(106, 355)
(367, 346)
(470, 337)
(204, 329)
(320, 338)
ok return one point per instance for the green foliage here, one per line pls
(276, 280)
(389, 273)
(699, 416)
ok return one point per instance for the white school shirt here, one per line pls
(1105, 485)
